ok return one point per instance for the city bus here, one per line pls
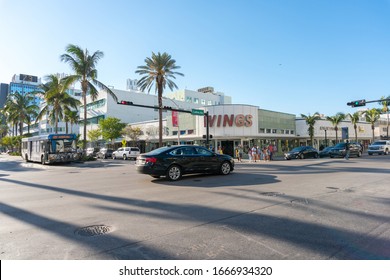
(50, 148)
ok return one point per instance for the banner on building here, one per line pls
(175, 118)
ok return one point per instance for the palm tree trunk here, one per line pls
(160, 91)
(85, 120)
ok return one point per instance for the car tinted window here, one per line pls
(379, 143)
(134, 149)
(183, 151)
(203, 151)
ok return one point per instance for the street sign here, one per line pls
(197, 112)
(124, 143)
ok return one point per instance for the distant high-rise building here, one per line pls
(25, 84)
(3, 94)
(131, 84)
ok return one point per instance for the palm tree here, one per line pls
(84, 66)
(158, 71)
(72, 117)
(19, 108)
(372, 116)
(57, 99)
(335, 120)
(310, 121)
(354, 118)
(385, 103)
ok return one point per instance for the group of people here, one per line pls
(256, 153)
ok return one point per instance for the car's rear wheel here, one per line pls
(302, 156)
(174, 173)
(225, 168)
(315, 155)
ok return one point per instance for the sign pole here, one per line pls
(207, 130)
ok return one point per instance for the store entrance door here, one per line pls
(228, 147)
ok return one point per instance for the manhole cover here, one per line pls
(93, 230)
(272, 193)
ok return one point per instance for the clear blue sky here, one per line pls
(294, 56)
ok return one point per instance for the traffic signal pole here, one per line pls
(167, 108)
(362, 102)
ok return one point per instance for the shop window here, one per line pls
(268, 130)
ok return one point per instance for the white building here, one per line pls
(105, 106)
(202, 97)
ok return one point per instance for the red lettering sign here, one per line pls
(229, 120)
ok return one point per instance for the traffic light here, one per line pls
(123, 102)
(357, 103)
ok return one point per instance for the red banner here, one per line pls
(175, 119)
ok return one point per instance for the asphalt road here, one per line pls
(279, 210)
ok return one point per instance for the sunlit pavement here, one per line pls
(298, 209)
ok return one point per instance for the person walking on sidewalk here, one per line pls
(346, 150)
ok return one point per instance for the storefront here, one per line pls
(230, 126)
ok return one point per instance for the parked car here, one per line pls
(325, 152)
(355, 149)
(105, 153)
(301, 153)
(379, 147)
(91, 152)
(126, 153)
(175, 161)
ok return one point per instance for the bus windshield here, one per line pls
(63, 146)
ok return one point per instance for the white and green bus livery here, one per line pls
(50, 148)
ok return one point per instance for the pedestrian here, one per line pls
(250, 154)
(270, 151)
(254, 153)
(346, 150)
(240, 152)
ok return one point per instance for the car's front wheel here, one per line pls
(124, 157)
(174, 173)
(225, 168)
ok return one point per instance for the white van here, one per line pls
(126, 152)
(381, 147)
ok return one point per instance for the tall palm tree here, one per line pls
(57, 100)
(354, 118)
(84, 66)
(335, 120)
(20, 108)
(372, 115)
(310, 121)
(385, 108)
(159, 71)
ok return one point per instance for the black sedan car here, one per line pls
(301, 153)
(175, 161)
